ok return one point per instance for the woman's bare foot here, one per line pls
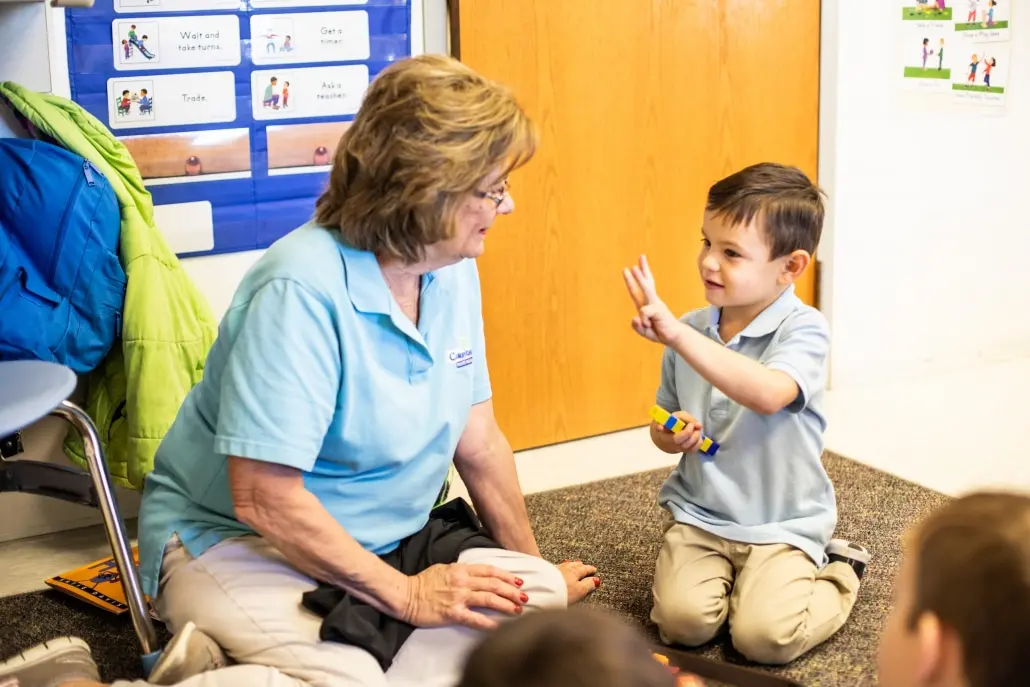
(580, 579)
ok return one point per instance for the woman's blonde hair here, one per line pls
(429, 130)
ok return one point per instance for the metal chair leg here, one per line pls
(115, 528)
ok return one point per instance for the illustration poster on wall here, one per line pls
(923, 50)
(955, 47)
(231, 107)
(927, 11)
(983, 77)
(983, 20)
(927, 58)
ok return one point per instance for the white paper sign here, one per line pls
(171, 100)
(304, 3)
(188, 227)
(176, 42)
(137, 6)
(311, 37)
(308, 92)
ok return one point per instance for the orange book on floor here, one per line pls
(98, 583)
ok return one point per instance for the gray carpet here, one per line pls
(615, 525)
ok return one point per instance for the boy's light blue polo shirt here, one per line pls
(316, 367)
(766, 484)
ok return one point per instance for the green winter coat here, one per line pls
(167, 325)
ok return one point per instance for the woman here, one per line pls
(348, 372)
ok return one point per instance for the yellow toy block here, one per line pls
(708, 445)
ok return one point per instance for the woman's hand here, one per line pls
(446, 594)
(654, 320)
(579, 579)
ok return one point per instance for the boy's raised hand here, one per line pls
(654, 320)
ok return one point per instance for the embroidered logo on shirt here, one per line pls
(460, 356)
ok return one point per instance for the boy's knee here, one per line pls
(762, 641)
(691, 618)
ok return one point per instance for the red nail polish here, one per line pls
(597, 582)
(518, 582)
(518, 609)
(524, 597)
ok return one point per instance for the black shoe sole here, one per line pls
(857, 566)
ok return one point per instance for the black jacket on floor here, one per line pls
(452, 529)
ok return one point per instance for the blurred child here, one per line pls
(580, 647)
(748, 532)
(961, 612)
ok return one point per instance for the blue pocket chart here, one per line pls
(232, 109)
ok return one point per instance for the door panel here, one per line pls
(641, 107)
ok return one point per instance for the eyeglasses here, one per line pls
(496, 196)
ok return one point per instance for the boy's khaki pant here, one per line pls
(779, 604)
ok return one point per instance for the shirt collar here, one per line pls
(365, 283)
(767, 321)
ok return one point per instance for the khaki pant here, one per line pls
(247, 597)
(779, 604)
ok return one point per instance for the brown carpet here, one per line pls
(615, 525)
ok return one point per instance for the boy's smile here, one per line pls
(734, 264)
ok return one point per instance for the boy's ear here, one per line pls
(795, 265)
(929, 638)
(940, 657)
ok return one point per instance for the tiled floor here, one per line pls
(950, 432)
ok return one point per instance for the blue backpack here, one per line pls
(62, 287)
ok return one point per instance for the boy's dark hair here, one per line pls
(788, 206)
(580, 647)
(972, 571)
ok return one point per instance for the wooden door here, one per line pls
(641, 107)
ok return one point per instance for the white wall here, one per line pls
(24, 57)
(927, 253)
(34, 56)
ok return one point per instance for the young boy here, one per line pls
(580, 647)
(961, 612)
(748, 531)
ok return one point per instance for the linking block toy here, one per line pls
(708, 446)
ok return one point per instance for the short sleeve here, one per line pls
(481, 388)
(667, 397)
(802, 353)
(281, 379)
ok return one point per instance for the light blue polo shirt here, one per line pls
(766, 484)
(316, 367)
